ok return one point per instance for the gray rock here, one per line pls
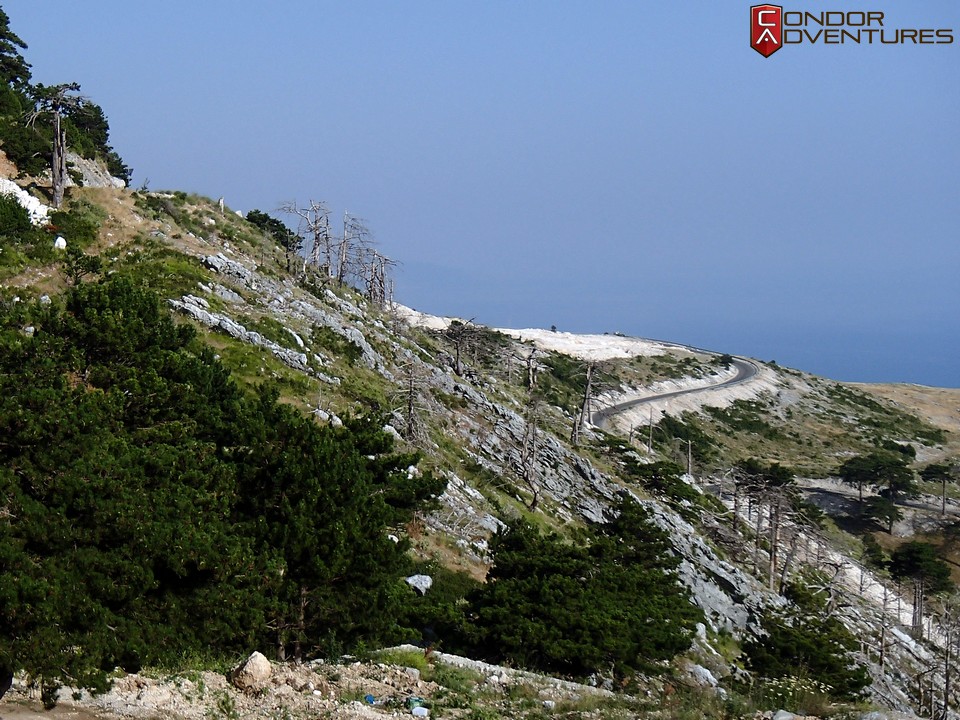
(225, 266)
(226, 294)
(194, 307)
(194, 300)
(783, 715)
(420, 583)
(702, 677)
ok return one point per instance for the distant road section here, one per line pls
(743, 379)
(745, 371)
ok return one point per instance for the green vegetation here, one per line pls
(676, 435)
(609, 599)
(663, 479)
(275, 229)
(20, 242)
(885, 471)
(919, 562)
(152, 509)
(27, 143)
(335, 344)
(745, 416)
(809, 642)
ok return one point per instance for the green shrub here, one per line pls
(26, 147)
(79, 224)
(158, 511)
(14, 218)
(609, 599)
(336, 344)
(806, 641)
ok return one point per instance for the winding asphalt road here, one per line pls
(745, 371)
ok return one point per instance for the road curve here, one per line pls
(746, 370)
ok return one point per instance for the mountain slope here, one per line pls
(331, 352)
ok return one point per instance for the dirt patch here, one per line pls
(7, 168)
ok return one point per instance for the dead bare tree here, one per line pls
(530, 357)
(410, 400)
(528, 469)
(379, 290)
(57, 100)
(583, 416)
(352, 248)
(461, 334)
(314, 223)
(946, 612)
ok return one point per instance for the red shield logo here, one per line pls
(766, 29)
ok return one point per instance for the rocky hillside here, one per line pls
(476, 401)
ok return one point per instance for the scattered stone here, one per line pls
(702, 677)
(783, 715)
(412, 673)
(420, 583)
(296, 338)
(392, 432)
(253, 673)
(225, 266)
(196, 301)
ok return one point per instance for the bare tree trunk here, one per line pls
(531, 370)
(785, 570)
(301, 626)
(946, 673)
(918, 592)
(58, 164)
(883, 628)
(582, 416)
(756, 538)
(736, 505)
(774, 538)
(344, 245)
(530, 450)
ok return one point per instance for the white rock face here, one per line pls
(253, 673)
(39, 213)
(92, 172)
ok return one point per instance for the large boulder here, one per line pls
(420, 583)
(252, 674)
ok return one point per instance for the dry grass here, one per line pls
(938, 406)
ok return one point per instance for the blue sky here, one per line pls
(598, 166)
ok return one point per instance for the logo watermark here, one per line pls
(766, 29)
(772, 27)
